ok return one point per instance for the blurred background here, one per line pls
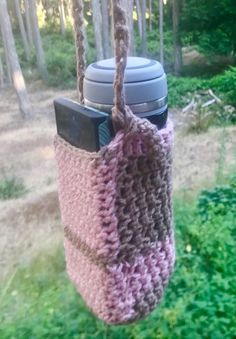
(196, 42)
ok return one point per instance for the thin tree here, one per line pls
(139, 17)
(22, 29)
(105, 29)
(17, 76)
(161, 31)
(2, 75)
(62, 17)
(97, 27)
(150, 15)
(86, 45)
(128, 6)
(176, 6)
(28, 24)
(41, 64)
(144, 28)
(6, 57)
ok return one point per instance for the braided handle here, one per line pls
(121, 45)
(78, 16)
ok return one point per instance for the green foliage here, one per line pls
(226, 84)
(214, 42)
(211, 25)
(60, 59)
(27, 65)
(219, 200)
(199, 301)
(180, 88)
(91, 51)
(11, 188)
(153, 46)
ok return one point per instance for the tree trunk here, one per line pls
(46, 5)
(131, 27)
(176, 36)
(161, 32)
(2, 76)
(86, 45)
(62, 17)
(6, 56)
(144, 28)
(150, 15)
(66, 8)
(97, 26)
(139, 17)
(18, 79)
(37, 40)
(28, 24)
(22, 29)
(128, 6)
(105, 29)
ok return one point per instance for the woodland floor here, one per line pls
(31, 223)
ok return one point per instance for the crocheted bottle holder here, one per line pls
(117, 216)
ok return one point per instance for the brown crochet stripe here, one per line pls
(98, 259)
(84, 248)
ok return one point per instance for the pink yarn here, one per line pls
(116, 209)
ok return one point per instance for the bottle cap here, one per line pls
(144, 82)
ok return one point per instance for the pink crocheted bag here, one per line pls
(116, 211)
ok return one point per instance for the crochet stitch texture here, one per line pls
(117, 215)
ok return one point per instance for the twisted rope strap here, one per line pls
(78, 10)
(121, 45)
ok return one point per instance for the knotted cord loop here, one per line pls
(78, 16)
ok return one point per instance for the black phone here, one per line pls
(82, 126)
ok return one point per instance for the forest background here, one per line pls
(196, 42)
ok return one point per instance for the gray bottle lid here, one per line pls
(144, 81)
(138, 69)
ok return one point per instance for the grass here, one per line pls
(11, 188)
(40, 302)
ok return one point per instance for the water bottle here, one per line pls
(89, 126)
(145, 88)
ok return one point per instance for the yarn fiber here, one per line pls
(117, 215)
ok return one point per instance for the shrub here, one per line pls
(11, 188)
(61, 60)
(220, 200)
(225, 84)
(180, 89)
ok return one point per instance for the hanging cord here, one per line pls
(121, 45)
(78, 16)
